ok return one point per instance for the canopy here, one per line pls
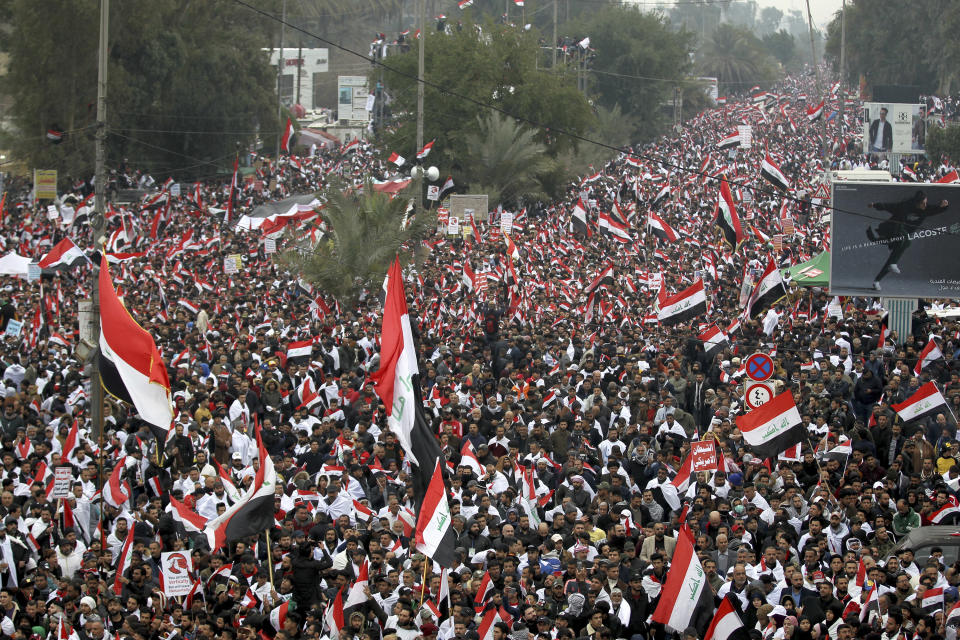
(14, 265)
(288, 207)
(813, 273)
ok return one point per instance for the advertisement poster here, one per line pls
(895, 239)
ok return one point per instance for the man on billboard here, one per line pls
(881, 133)
(906, 217)
(920, 129)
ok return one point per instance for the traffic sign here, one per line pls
(759, 367)
(757, 394)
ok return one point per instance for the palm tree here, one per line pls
(365, 230)
(504, 160)
(735, 57)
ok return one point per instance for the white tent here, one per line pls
(14, 265)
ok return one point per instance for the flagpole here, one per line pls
(270, 559)
(423, 583)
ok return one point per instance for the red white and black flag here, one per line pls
(926, 401)
(713, 340)
(287, 136)
(730, 142)
(727, 218)
(726, 623)
(65, 255)
(603, 280)
(773, 427)
(815, 112)
(685, 591)
(434, 536)
(769, 289)
(689, 303)
(660, 228)
(930, 353)
(397, 382)
(131, 367)
(253, 514)
(579, 219)
(771, 173)
(612, 225)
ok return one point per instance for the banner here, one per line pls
(45, 184)
(177, 567)
(895, 239)
(703, 456)
(62, 482)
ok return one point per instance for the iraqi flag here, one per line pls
(192, 521)
(423, 153)
(468, 458)
(116, 492)
(685, 591)
(925, 401)
(769, 289)
(65, 255)
(299, 352)
(434, 537)
(253, 514)
(397, 382)
(930, 353)
(932, 600)
(579, 219)
(660, 228)
(131, 367)
(943, 513)
(356, 595)
(126, 557)
(603, 280)
(333, 616)
(950, 178)
(815, 112)
(397, 159)
(689, 303)
(278, 615)
(287, 136)
(713, 340)
(613, 226)
(727, 218)
(774, 427)
(771, 173)
(726, 622)
(730, 142)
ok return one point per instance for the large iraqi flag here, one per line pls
(131, 367)
(685, 591)
(925, 401)
(397, 382)
(774, 427)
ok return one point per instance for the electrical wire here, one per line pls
(538, 125)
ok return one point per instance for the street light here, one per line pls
(431, 173)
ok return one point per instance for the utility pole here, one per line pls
(420, 66)
(98, 221)
(299, 67)
(843, 65)
(816, 67)
(554, 44)
(280, 62)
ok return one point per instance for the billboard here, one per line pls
(895, 239)
(45, 184)
(352, 98)
(894, 127)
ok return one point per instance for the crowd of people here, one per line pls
(599, 404)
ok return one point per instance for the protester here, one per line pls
(523, 374)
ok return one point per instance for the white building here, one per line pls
(301, 69)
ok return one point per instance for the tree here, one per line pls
(470, 74)
(188, 81)
(737, 58)
(943, 142)
(782, 46)
(365, 230)
(506, 160)
(770, 18)
(639, 61)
